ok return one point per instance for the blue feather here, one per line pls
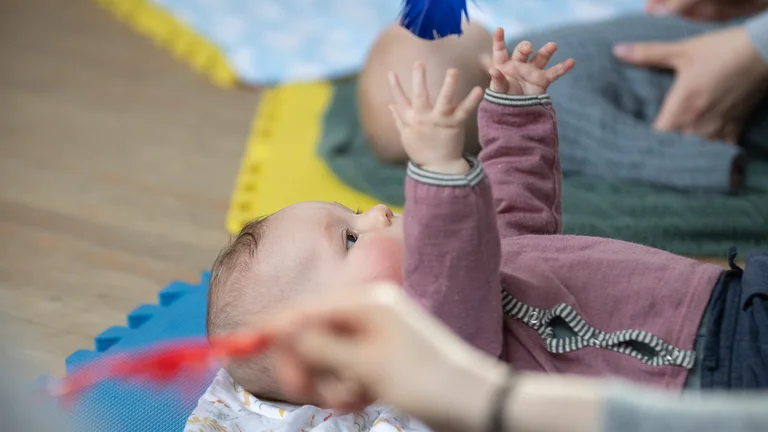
(433, 19)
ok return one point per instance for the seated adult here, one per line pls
(685, 126)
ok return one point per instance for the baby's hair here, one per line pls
(228, 309)
(236, 257)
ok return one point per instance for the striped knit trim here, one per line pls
(588, 336)
(474, 175)
(517, 100)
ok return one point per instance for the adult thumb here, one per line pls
(661, 55)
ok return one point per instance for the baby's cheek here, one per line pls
(377, 259)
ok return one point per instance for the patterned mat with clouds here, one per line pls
(277, 41)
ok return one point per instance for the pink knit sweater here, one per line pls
(495, 266)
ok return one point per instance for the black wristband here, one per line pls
(496, 421)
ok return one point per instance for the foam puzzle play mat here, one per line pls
(263, 42)
(120, 406)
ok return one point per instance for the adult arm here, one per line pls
(430, 373)
(632, 409)
(585, 404)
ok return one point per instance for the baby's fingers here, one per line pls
(420, 93)
(396, 116)
(545, 53)
(468, 105)
(499, 82)
(560, 69)
(522, 51)
(444, 103)
(398, 94)
(499, 48)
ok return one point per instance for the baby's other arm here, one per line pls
(518, 133)
(452, 249)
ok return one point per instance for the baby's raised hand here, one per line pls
(516, 75)
(433, 135)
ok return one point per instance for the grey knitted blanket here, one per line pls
(689, 223)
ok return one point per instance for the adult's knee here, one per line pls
(396, 50)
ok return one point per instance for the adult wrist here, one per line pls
(464, 396)
(579, 403)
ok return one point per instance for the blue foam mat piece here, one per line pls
(113, 406)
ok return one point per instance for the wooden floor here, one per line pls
(116, 165)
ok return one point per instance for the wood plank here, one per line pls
(116, 166)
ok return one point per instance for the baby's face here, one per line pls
(314, 246)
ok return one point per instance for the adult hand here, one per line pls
(720, 77)
(381, 345)
(706, 10)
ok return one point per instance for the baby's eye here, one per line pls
(351, 239)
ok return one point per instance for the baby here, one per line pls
(480, 246)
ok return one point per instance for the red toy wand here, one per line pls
(164, 362)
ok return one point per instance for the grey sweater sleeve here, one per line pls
(628, 408)
(757, 28)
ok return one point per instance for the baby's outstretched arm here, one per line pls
(452, 249)
(518, 134)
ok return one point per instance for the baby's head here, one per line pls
(305, 248)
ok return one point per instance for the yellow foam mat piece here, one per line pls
(281, 165)
(152, 21)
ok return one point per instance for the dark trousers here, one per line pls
(735, 349)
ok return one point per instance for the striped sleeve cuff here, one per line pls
(469, 179)
(517, 100)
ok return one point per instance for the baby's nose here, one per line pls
(381, 215)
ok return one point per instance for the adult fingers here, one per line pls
(293, 375)
(666, 7)
(673, 110)
(649, 54)
(340, 393)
